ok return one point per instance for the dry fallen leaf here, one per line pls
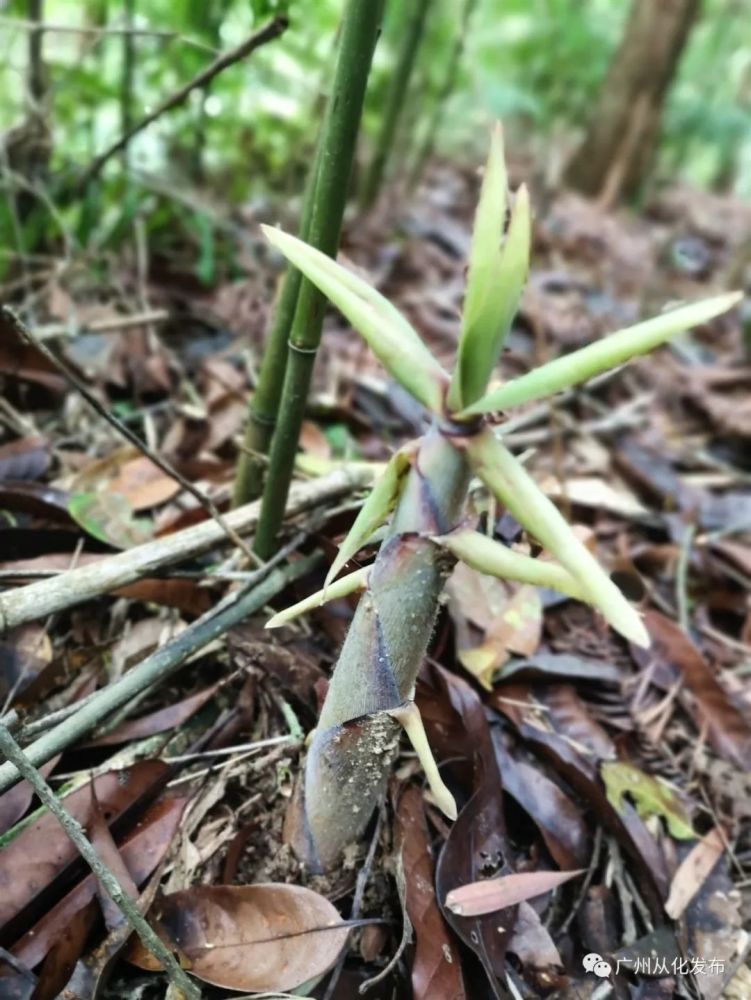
(497, 893)
(253, 938)
(693, 872)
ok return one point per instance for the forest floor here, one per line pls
(630, 767)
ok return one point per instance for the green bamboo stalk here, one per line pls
(394, 102)
(264, 403)
(360, 28)
(446, 89)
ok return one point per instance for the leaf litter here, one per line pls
(553, 736)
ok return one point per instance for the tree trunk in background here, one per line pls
(618, 148)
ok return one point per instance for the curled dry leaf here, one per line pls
(492, 894)
(254, 938)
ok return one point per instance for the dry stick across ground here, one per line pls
(74, 586)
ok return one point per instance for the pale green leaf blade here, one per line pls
(510, 482)
(486, 555)
(484, 332)
(374, 511)
(611, 351)
(487, 232)
(339, 588)
(408, 715)
(391, 338)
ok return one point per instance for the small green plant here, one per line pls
(425, 488)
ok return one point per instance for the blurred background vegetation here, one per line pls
(245, 141)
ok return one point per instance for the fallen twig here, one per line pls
(272, 29)
(107, 880)
(112, 324)
(75, 586)
(155, 668)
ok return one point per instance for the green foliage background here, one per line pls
(537, 64)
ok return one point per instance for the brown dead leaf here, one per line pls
(66, 949)
(531, 942)
(557, 816)
(436, 969)
(22, 361)
(144, 484)
(156, 722)
(716, 933)
(268, 936)
(313, 441)
(141, 851)
(104, 845)
(24, 653)
(141, 638)
(478, 597)
(185, 595)
(226, 419)
(517, 629)
(15, 802)
(493, 894)
(42, 850)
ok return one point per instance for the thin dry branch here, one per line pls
(112, 324)
(77, 585)
(272, 29)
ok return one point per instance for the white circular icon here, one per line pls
(596, 964)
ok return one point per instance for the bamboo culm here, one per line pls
(264, 403)
(394, 103)
(360, 28)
